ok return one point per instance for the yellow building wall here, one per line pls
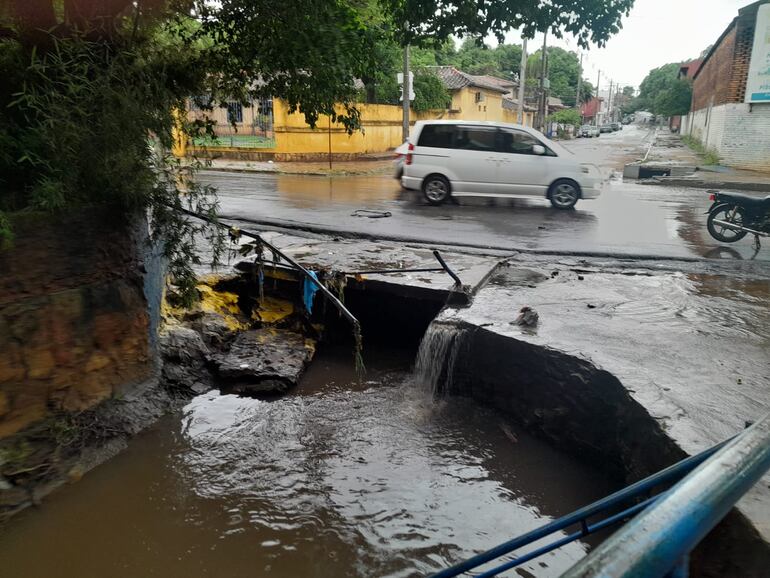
(380, 126)
(465, 107)
(512, 117)
(380, 131)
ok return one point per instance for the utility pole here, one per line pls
(579, 82)
(609, 102)
(543, 98)
(598, 102)
(405, 91)
(522, 79)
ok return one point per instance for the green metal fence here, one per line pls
(239, 125)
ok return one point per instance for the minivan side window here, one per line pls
(475, 138)
(518, 142)
(436, 135)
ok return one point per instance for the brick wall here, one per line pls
(744, 41)
(74, 321)
(715, 76)
(722, 78)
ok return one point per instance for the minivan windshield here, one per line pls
(554, 146)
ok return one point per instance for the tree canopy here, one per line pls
(663, 93)
(563, 70)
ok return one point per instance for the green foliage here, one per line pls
(662, 93)
(568, 116)
(429, 93)
(476, 58)
(709, 156)
(76, 119)
(675, 100)
(590, 21)
(563, 71)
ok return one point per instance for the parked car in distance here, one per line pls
(616, 126)
(491, 159)
(398, 162)
(606, 128)
(588, 131)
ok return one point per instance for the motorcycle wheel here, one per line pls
(730, 214)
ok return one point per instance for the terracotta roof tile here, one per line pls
(455, 79)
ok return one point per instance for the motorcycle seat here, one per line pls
(746, 200)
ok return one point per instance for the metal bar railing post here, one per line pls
(446, 268)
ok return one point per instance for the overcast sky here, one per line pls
(656, 32)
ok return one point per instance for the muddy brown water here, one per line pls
(337, 479)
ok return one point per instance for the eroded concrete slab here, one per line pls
(692, 348)
(353, 256)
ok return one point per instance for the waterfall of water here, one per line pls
(437, 355)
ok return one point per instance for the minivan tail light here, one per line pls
(410, 148)
(712, 197)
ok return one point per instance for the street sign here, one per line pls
(758, 82)
(400, 78)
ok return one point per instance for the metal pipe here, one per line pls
(735, 227)
(671, 473)
(654, 542)
(385, 271)
(321, 287)
(446, 268)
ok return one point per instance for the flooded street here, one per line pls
(627, 219)
(337, 479)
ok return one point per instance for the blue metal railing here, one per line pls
(658, 542)
(730, 458)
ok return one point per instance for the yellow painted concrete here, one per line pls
(272, 310)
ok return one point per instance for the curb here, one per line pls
(700, 184)
(295, 173)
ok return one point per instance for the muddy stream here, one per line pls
(336, 479)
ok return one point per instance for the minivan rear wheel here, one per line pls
(564, 194)
(436, 189)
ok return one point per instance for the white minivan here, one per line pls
(491, 159)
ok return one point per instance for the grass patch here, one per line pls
(709, 156)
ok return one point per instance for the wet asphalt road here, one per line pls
(628, 219)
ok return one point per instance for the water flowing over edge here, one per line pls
(437, 355)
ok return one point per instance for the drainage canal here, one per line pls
(335, 478)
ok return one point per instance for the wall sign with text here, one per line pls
(758, 83)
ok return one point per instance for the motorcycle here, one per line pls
(732, 216)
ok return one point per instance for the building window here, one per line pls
(234, 112)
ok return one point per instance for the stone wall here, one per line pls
(74, 320)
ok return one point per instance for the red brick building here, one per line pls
(722, 116)
(589, 110)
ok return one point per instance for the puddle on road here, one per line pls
(337, 479)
